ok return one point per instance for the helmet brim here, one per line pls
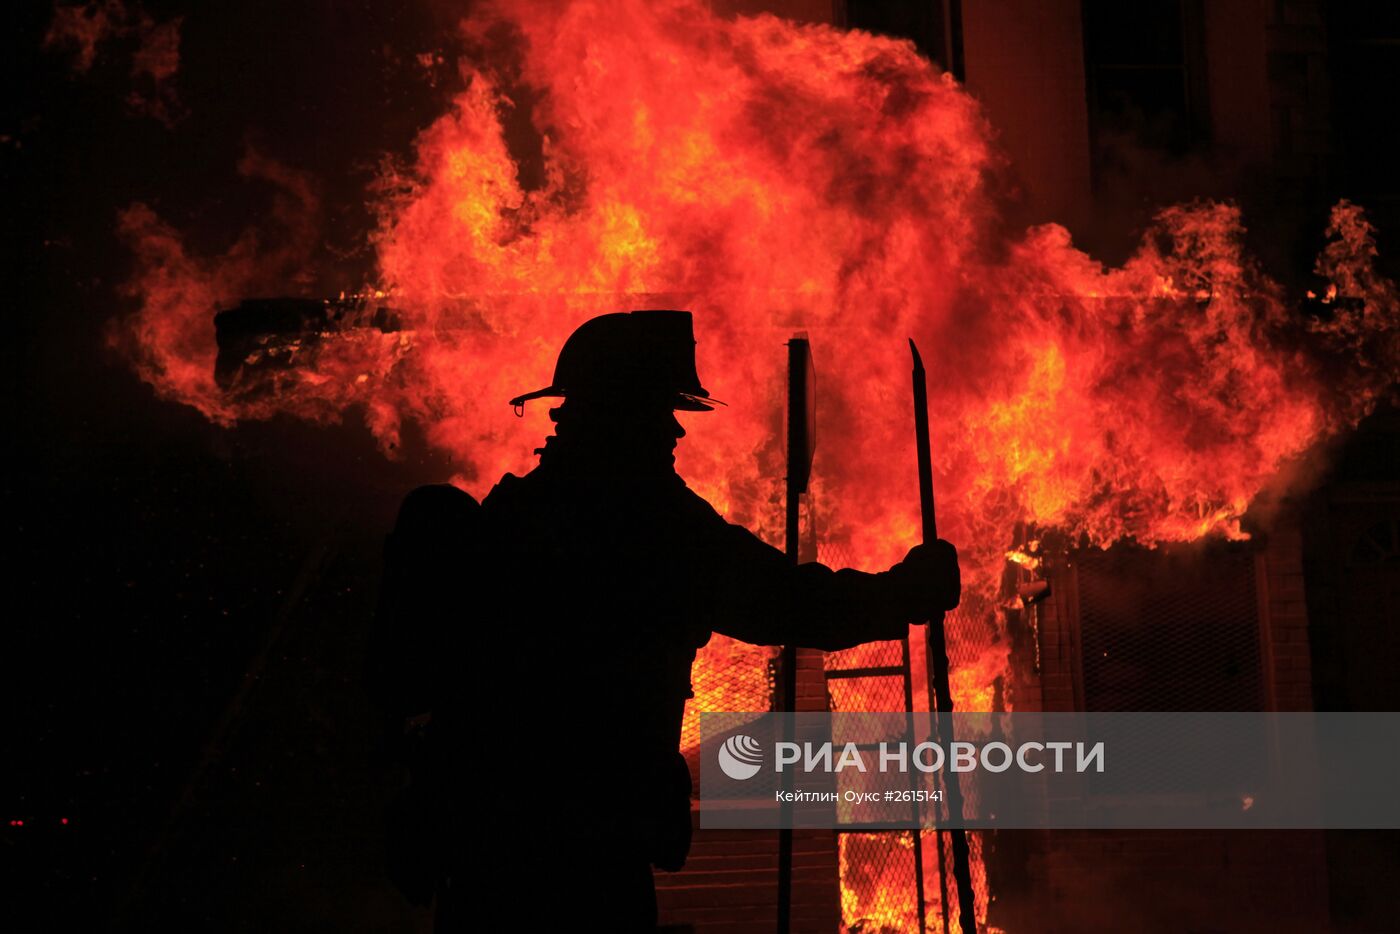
(683, 402)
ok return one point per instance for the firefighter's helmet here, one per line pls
(628, 357)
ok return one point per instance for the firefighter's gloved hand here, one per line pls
(928, 579)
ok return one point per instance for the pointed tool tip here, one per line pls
(914, 349)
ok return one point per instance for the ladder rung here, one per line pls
(868, 826)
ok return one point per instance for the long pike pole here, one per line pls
(937, 642)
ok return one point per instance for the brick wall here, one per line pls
(730, 883)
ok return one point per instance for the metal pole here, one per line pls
(798, 472)
(921, 898)
(937, 642)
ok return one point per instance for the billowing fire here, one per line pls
(774, 177)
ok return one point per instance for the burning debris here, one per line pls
(263, 343)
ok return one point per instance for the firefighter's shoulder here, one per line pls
(506, 490)
(435, 506)
(694, 507)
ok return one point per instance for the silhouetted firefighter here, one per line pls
(546, 638)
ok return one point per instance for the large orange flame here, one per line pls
(772, 177)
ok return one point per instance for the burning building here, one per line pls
(1152, 326)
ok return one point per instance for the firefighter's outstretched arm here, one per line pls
(760, 597)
